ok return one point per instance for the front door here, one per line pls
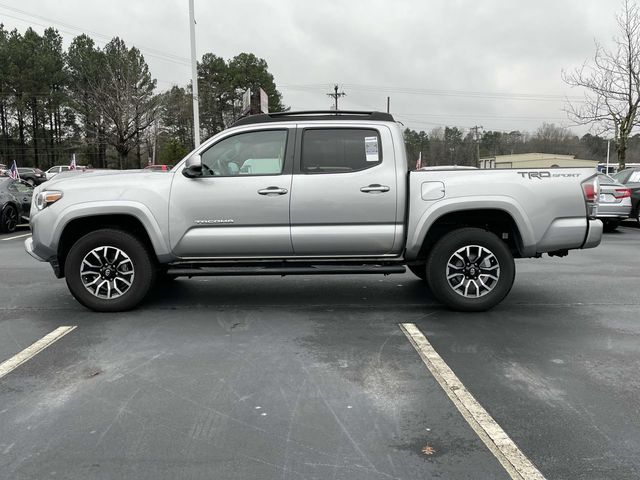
(344, 198)
(239, 208)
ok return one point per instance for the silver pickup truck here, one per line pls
(308, 193)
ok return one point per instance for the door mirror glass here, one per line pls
(193, 166)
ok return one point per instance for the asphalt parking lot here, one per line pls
(312, 377)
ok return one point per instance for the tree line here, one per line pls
(103, 105)
(455, 146)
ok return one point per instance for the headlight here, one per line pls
(46, 198)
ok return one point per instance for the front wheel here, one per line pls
(470, 270)
(109, 271)
(8, 219)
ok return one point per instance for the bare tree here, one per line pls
(612, 83)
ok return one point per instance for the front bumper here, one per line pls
(594, 234)
(28, 246)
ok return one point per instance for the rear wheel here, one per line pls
(8, 219)
(470, 270)
(109, 271)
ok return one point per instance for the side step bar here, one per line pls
(280, 270)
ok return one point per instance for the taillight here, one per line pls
(622, 193)
(591, 191)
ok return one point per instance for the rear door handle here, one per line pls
(273, 191)
(375, 188)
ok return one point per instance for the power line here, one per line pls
(441, 92)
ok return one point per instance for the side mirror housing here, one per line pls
(193, 167)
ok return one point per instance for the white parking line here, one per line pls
(32, 350)
(517, 465)
(17, 236)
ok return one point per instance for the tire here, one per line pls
(8, 219)
(479, 288)
(610, 225)
(419, 271)
(115, 257)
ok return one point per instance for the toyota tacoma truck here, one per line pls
(308, 193)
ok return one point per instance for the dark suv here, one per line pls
(32, 176)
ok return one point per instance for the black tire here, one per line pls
(445, 249)
(136, 257)
(419, 271)
(8, 219)
(610, 225)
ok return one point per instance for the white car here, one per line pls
(56, 169)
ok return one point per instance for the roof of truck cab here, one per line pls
(314, 115)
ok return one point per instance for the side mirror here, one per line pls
(193, 167)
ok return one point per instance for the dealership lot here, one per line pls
(311, 377)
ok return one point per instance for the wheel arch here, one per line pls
(77, 227)
(495, 220)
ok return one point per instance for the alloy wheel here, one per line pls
(107, 272)
(473, 271)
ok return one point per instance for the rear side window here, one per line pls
(340, 150)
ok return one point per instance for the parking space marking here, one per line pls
(17, 236)
(517, 465)
(31, 351)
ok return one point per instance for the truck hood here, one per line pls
(115, 175)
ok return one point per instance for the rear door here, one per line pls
(344, 191)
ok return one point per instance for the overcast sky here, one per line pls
(495, 63)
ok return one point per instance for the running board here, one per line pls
(279, 270)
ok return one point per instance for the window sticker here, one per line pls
(371, 149)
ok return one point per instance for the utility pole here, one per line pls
(335, 95)
(388, 104)
(194, 76)
(608, 145)
(476, 135)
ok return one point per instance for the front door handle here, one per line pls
(273, 191)
(375, 188)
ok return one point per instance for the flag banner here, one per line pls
(13, 171)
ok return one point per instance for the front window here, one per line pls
(251, 153)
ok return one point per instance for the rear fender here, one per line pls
(431, 214)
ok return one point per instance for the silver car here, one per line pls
(614, 204)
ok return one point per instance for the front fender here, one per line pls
(109, 207)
